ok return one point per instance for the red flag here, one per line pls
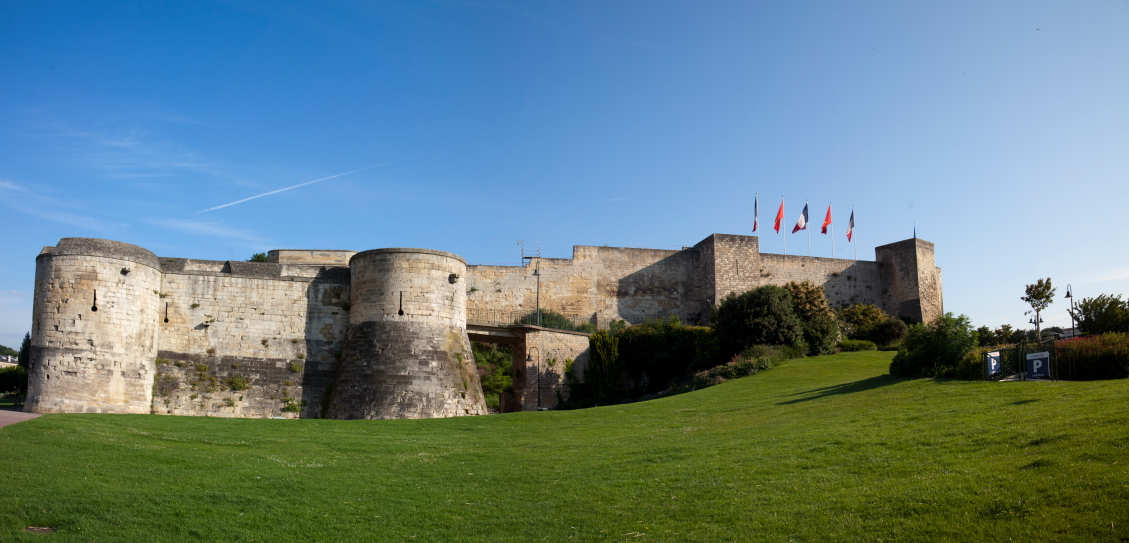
(802, 224)
(779, 216)
(826, 220)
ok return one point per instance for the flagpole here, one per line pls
(832, 232)
(785, 228)
(854, 239)
(809, 230)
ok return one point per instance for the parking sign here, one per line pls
(1039, 365)
(993, 363)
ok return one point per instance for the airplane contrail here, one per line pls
(295, 186)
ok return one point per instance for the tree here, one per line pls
(1040, 296)
(8, 351)
(821, 328)
(25, 351)
(258, 257)
(1106, 313)
(985, 336)
(762, 316)
(935, 349)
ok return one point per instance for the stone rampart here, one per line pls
(118, 330)
(276, 327)
(601, 284)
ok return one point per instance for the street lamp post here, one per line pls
(537, 274)
(1073, 327)
(529, 358)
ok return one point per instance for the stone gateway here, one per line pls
(383, 333)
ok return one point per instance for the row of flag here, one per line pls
(802, 223)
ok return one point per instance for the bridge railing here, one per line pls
(556, 320)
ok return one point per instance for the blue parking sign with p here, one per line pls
(993, 363)
(1039, 365)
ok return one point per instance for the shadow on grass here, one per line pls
(845, 388)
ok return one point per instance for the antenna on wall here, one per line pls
(531, 254)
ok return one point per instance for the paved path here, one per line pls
(11, 417)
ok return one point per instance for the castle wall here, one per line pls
(94, 328)
(113, 324)
(406, 354)
(740, 267)
(598, 284)
(605, 283)
(275, 326)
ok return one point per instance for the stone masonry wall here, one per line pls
(598, 284)
(551, 351)
(93, 328)
(278, 327)
(740, 267)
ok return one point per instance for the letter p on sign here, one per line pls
(1039, 365)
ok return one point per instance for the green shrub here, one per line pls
(659, 353)
(888, 334)
(935, 349)
(604, 375)
(764, 315)
(852, 345)
(258, 257)
(292, 405)
(295, 367)
(13, 379)
(237, 382)
(1097, 357)
(557, 321)
(753, 360)
(821, 328)
(858, 320)
(495, 369)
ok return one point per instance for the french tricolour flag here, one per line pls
(755, 212)
(802, 224)
(851, 225)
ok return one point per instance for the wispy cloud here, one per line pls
(125, 153)
(293, 187)
(1111, 275)
(209, 228)
(38, 203)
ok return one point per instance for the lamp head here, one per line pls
(1068, 293)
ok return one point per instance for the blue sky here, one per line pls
(1000, 129)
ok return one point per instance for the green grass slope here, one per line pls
(821, 449)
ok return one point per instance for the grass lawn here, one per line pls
(820, 449)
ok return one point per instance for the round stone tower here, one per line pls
(94, 328)
(406, 354)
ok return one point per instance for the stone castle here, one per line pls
(383, 333)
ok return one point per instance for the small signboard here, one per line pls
(994, 365)
(1039, 365)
